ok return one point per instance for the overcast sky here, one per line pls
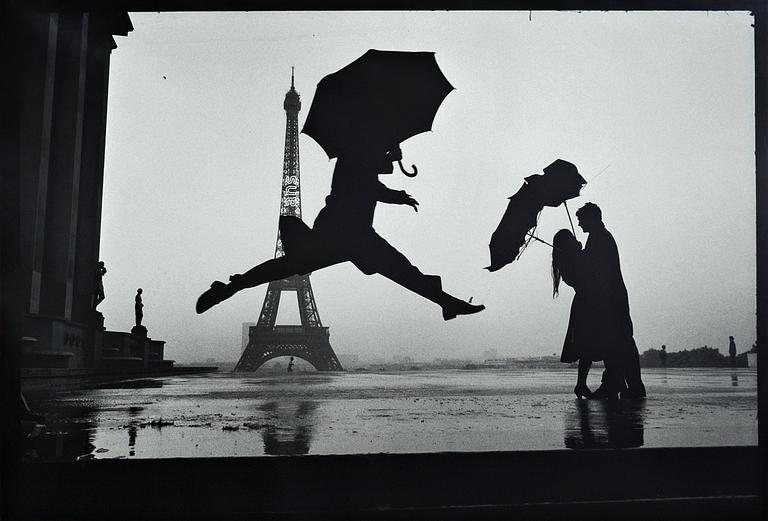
(194, 160)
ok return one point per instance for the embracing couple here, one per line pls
(599, 327)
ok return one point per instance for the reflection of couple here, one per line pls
(599, 327)
(605, 424)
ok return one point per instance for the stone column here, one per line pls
(36, 121)
(100, 44)
(56, 293)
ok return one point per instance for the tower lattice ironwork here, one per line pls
(310, 340)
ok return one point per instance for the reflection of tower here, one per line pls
(289, 432)
(310, 339)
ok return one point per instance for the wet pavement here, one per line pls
(254, 414)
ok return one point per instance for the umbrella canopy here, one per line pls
(561, 181)
(378, 101)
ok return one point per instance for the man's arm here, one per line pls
(387, 195)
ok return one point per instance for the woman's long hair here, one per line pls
(563, 245)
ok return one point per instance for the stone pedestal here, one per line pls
(139, 331)
(97, 320)
(134, 350)
(97, 330)
(60, 343)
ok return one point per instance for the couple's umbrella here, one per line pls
(376, 102)
(561, 181)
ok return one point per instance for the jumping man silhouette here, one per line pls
(343, 231)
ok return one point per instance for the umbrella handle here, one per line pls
(403, 170)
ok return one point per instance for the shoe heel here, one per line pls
(582, 392)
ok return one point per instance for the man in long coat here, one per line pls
(610, 308)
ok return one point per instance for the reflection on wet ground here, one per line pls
(288, 429)
(605, 424)
(69, 437)
(133, 412)
(132, 384)
(352, 413)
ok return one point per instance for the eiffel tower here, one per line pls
(310, 340)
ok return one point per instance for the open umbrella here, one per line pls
(379, 100)
(561, 181)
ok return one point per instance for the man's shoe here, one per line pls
(459, 307)
(602, 393)
(633, 394)
(215, 294)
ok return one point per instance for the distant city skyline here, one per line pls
(391, 359)
(663, 101)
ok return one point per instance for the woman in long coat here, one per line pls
(568, 265)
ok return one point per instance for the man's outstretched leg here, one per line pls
(378, 256)
(273, 269)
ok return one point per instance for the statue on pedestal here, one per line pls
(98, 284)
(138, 307)
(97, 319)
(138, 329)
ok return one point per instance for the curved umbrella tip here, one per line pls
(403, 170)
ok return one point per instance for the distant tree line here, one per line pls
(699, 357)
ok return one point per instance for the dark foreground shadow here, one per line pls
(597, 424)
(703, 483)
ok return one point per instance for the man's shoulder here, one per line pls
(600, 239)
(602, 235)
